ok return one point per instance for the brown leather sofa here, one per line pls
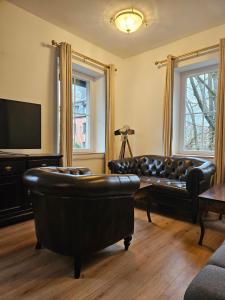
(175, 181)
(77, 213)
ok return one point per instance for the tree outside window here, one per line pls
(200, 91)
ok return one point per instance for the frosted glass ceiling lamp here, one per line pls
(128, 20)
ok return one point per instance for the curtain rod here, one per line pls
(84, 57)
(190, 54)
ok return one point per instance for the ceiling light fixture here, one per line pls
(128, 20)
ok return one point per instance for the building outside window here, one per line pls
(198, 111)
(81, 113)
(88, 108)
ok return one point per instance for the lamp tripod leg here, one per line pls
(129, 147)
(122, 150)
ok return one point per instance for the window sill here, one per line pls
(88, 155)
(194, 155)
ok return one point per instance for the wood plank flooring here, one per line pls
(163, 258)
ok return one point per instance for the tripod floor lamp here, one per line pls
(125, 132)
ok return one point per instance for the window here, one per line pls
(198, 111)
(81, 113)
(88, 108)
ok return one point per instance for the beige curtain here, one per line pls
(110, 99)
(168, 107)
(220, 120)
(66, 129)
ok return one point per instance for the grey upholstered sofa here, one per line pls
(209, 284)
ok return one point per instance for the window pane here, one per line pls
(193, 132)
(191, 103)
(208, 132)
(80, 133)
(81, 97)
(200, 109)
(81, 108)
(80, 114)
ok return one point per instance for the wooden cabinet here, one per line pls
(14, 200)
(45, 162)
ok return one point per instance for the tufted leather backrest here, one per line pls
(154, 165)
(78, 182)
(66, 170)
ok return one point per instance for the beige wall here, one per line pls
(144, 87)
(28, 68)
(27, 73)
(95, 162)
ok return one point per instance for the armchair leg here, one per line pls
(77, 267)
(127, 241)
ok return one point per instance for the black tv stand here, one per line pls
(15, 205)
(7, 154)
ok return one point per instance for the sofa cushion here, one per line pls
(164, 183)
(218, 257)
(209, 284)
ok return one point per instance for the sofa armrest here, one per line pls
(208, 284)
(112, 165)
(199, 178)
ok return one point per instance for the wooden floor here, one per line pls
(162, 260)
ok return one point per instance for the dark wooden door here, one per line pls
(11, 195)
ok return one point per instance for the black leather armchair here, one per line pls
(77, 213)
(175, 181)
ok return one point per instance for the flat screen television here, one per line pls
(20, 125)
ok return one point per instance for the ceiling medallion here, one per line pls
(128, 20)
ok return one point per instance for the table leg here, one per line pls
(148, 211)
(202, 226)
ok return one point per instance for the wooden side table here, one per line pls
(144, 192)
(212, 200)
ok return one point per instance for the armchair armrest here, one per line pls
(199, 178)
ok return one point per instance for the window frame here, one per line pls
(183, 77)
(89, 129)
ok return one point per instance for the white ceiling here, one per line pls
(167, 20)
